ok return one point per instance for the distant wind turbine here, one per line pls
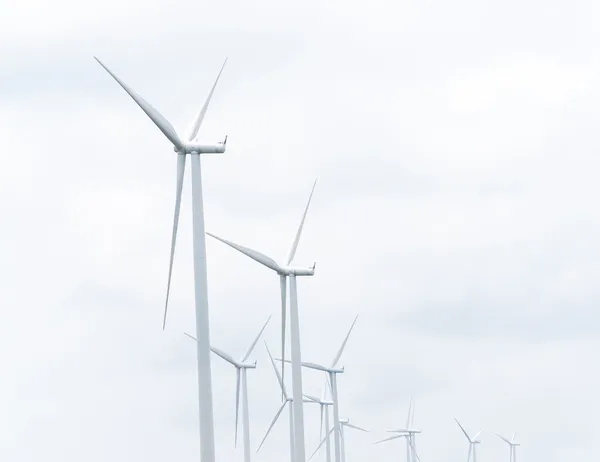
(184, 147)
(512, 444)
(240, 368)
(473, 442)
(287, 401)
(286, 271)
(324, 408)
(407, 432)
(343, 423)
(332, 372)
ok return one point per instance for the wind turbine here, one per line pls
(407, 432)
(513, 446)
(286, 271)
(332, 374)
(473, 442)
(287, 401)
(324, 408)
(240, 368)
(343, 423)
(184, 147)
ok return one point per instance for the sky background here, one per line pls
(456, 212)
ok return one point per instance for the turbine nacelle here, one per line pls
(295, 271)
(197, 148)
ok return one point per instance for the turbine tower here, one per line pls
(332, 374)
(473, 442)
(286, 271)
(184, 147)
(343, 423)
(241, 367)
(513, 446)
(287, 401)
(407, 432)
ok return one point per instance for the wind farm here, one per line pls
(293, 404)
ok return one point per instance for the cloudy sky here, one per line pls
(456, 149)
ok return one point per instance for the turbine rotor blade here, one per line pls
(341, 350)
(159, 120)
(409, 410)
(283, 287)
(179, 189)
(225, 356)
(272, 424)
(256, 256)
(191, 336)
(480, 432)
(321, 443)
(279, 378)
(321, 422)
(504, 439)
(249, 352)
(292, 253)
(395, 437)
(237, 402)
(193, 131)
(412, 445)
(463, 430)
(356, 427)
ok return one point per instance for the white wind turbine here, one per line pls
(513, 446)
(343, 423)
(473, 442)
(287, 401)
(407, 432)
(332, 374)
(286, 271)
(324, 409)
(184, 147)
(240, 368)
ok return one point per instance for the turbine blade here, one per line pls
(256, 256)
(412, 445)
(314, 366)
(279, 378)
(193, 131)
(463, 430)
(480, 432)
(399, 430)
(179, 189)
(409, 409)
(502, 438)
(191, 336)
(237, 402)
(513, 437)
(283, 286)
(412, 418)
(395, 437)
(470, 450)
(225, 356)
(321, 443)
(249, 352)
(356, 427)
(159, 120)
(312, 398)
(272, 424)
(299, 232)
(341, 350)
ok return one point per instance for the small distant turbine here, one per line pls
(473, 442)
(332, 372)
(183, 147)
(287, 401)
(285, 271)
(343, 423)
(324, 408)
(513, 446)
(407, 432)
(240, 368)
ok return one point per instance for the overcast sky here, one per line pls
(456, 211)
